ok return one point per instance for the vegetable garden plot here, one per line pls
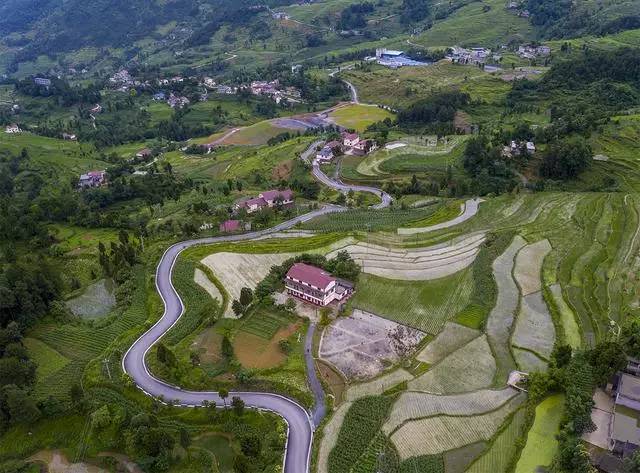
(528, 269)
(441, 433)
(452, 337)
(469, 368)
(534, 328)
(416, 405)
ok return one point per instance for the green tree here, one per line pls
(238, 405)
(246, 297)
(566, 159)
(185, 438)
(237, 308)
(224, 394)
(251, 445)
(227, 348)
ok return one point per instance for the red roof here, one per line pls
(311, 275)
(230, 226)
(286, 194)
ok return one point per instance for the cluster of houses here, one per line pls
(473, 56)
(266, 199)
(519, 148)
(315, 285)
(616, 415)
(519, 8)
(92, 179)
(350, 144)
(530, 51)
(273, 90)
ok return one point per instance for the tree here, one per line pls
(76, 394)
(227, 348)
(632, 463)
(246, 297)
(241, 464)
(630, 336)
(566, 159)
(237, 308)
(290, 304)
(251, 445)
(238, 405)
(21, 408)
(185, 438)
(285, 346)
(165, 355)
(561, 356)
(224, 394)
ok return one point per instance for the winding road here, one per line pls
(301, 424)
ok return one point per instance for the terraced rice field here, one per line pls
(497, 458)
(420, 264)
(425, 305)
(379, 385)
(527, 361)
(416, 405)
(467, 210)
(438, 434)
(528, 269)
(534, 328)
(501, 317)
(452, 337)
(567, 317)
(469, 368)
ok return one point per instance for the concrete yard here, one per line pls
(360, 347)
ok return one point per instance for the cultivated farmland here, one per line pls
(496, 459)
(425, 305)
(452, 337)
(466, 369)
(416, 264)
(534, 328)
(528, 269)
(438, 434)
(416, 405)
(502, 315)
(238, 270)
(379, 385)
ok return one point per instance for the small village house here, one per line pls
(69, 136)
(144, 153)
(92, 179)
(230, 226)
(95, 110)
(42, 81)
(11, 129)
(350, 139)
(315, 285)
(325, 155)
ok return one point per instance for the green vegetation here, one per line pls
(385, 219)
(359, 429)
(541, 443)
(358, 117)
(425, 305)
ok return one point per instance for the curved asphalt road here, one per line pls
(300, 424)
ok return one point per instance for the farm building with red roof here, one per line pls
(315, 285)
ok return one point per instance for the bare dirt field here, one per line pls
(452, 337)
(360, 346)
(257, 352)
(208, 344)
(420, 264)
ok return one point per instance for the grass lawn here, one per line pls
(425, 305)
(541, 443)
(221, 448)
(359, 117)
